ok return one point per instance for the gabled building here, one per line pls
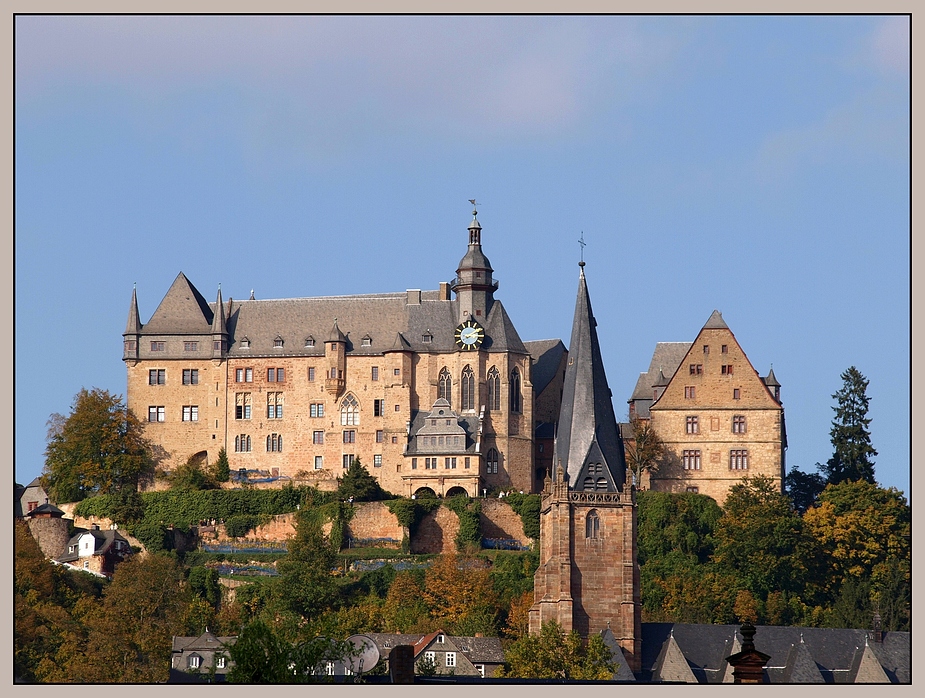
(299, 387)
(200, 659)
(719, 419)
(95, 551)
(468, 656)
(588, 574)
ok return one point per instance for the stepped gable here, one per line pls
(587, 428)
(183, 310)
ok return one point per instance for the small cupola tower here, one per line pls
(335, 351)
(131, 336)
(219, 330)
(474, 285)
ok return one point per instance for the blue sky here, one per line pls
(755, 165)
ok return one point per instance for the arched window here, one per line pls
(443, 385)
(515, 390)
(494, 389)
(491, 461)
(349, 411)
(467, 389)
(592, 525)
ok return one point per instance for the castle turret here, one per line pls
(132, 331)
(474, 285)
(219, 330)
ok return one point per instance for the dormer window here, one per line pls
(427, 338)
(278, 342)
(309, 341)
(245, 343)
(367, 341)
(441, 639)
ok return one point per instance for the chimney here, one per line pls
(748, 665)
(876, 633)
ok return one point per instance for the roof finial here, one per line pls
(474, 211)
(582, 243)
(252, 295)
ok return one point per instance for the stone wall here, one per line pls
(374, 520)
(499, 520)
(436, 533)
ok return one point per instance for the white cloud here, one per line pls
(889, 45)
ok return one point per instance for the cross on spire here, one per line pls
(582, 243)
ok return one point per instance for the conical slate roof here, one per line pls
(587, 430)
(218, 320)
(133, 326)
(182, 311)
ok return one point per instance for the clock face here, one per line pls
(469, 335)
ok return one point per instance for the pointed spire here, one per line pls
(218, 318)
(336, 335)
(771, 380)
(587, 429)
(133, 326)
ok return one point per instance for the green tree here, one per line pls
(99, 448)
(803, 488)
(682, 522)
(553, 654)
(760, 541)
(305, 580)
(645, 450)
(358, 485)
(222, 472)
(191, 476)
(852, 459)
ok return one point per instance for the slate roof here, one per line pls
(716, 322)
(833, 650)
(103, 541)
(478, 650)
(547, 355)
(207, 642)
(587, 426)
(183, 310)
(666, 358)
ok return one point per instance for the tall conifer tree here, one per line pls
(852, 459)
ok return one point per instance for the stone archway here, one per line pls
(424, 493)
(456, 491)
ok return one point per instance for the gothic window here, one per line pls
(515, 390)
(494, 389)
(274, 443)
(467, 389)
(592, 525)
(491, 461)
(443, 385)
(350, 411)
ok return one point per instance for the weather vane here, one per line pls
(472, 201)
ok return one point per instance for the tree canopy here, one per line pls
(645, 451)
(99, 447)
(358, 485)
(853, 455)
(554, 654)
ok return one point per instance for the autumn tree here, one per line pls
(460, 596)
(99, 448)
(555, 654)
(852, 459)
(405, 610)
(645, 450)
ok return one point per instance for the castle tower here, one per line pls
(588, 577)
(474, 286)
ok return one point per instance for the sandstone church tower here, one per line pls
(588, 577)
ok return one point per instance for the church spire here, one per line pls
(132, 331)
(473, 285)
(219, 331)
(588, 446)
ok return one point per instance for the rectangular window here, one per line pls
(157, 376)
(427, 338)
(414, 463)
(319, 462)
(275, 443)
(190, 346)
(276, 375)
(156, 413)
(481, 670)
(274, 405)
(244, 375)
(219, 662)
(394, 439)
(449, 463)
(316, 409)
(451, 659)
(467, 462)
(380, 436)
(194, 662)
(375, 375)
(311, 373)
(130, 345)
(350, 436)
(696, 369)
(190, 413)
(693, 425)
(396, 371)
(724, 349)
(736, 394)
(242, 443)
(738, 459)
(242, 406)
(346, 460)
(692, 490)
(397, 408)
(190, 376)
(727, 369)
(378, 408)
(690, 460)
(738, 424)
(431, 657)
(317, 437)
(158, 346)
(377, 460)
(271, 375)
(706, 348)
(689, 392)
